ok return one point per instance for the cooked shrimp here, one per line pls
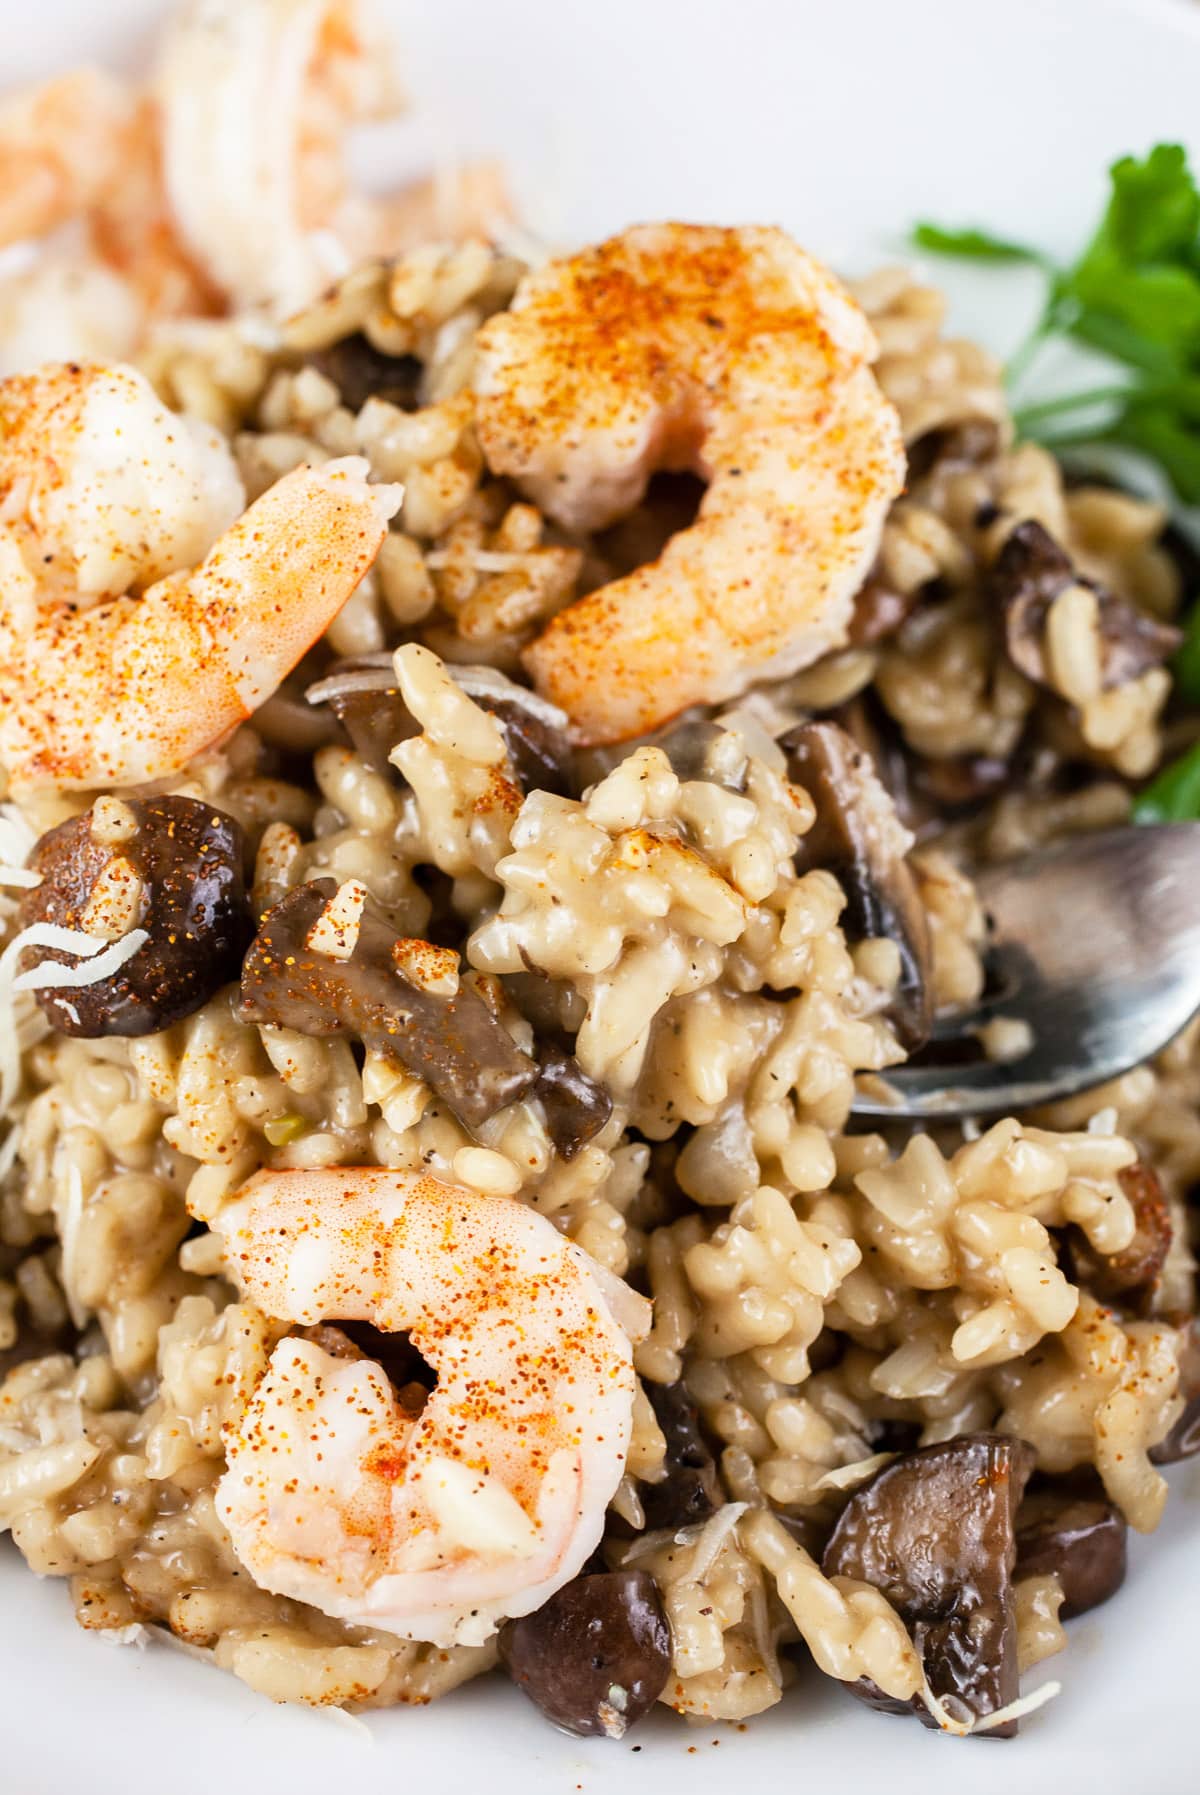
(60, 146)
(134, 235)
(103, 489)
(457, 203)
(255, 98)
(735, 355)
(84, 149)
(102, 486)
(224, 185)
(435, 1525)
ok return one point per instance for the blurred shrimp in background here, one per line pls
(218, 185)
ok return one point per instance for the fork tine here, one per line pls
(1097, 950)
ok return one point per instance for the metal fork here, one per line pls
(1095, 945)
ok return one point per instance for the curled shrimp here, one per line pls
(222, 184)
(730, 353)
(436, 1525)
(60, 146)
(255, 97)
(102, 489)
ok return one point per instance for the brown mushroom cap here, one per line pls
(1078, 1538)
(1030, 572)
(184, 861)
(596, 1657)
(858, 836)
(935, 1531)
(879, 610)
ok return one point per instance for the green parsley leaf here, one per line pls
(1185, 663)
(1134, 296)
(1159, 431)
(976, 245)
(1154, 212)
(1158, 303)
(1174, 797)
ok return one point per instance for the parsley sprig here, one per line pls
(1134, 297)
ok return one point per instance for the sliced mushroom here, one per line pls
(1078, 1538)
(968, 444)
(688, 744)
(935, 1531)
(596, 1657)
(875, 734)
(366, 701)
(171, 866)
(361, 372)
(535, 731)
(691, 1490)
(1030, 572)
(1132, 1276)
(879, 610)
(858, 836)
(576, 1107)
(453, 1043)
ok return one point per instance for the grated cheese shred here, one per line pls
(100, 960)
(52, 975)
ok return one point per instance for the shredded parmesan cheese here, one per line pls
(1024, 1704)
(101, 959)
(484, 560)
(712, 1537)
(375, 673)
(848, 1477)
(52, 975)
(354, 679)
(986, 1723)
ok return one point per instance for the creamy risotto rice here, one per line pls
(672, 961)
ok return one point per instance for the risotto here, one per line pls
(412, 941)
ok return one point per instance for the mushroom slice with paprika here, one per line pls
(1030, 573)
(935, 1532)
(323, 974)
(325, 963)
(858, 836)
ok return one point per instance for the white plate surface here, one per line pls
(842, 121)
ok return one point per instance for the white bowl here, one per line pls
(842, 121)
